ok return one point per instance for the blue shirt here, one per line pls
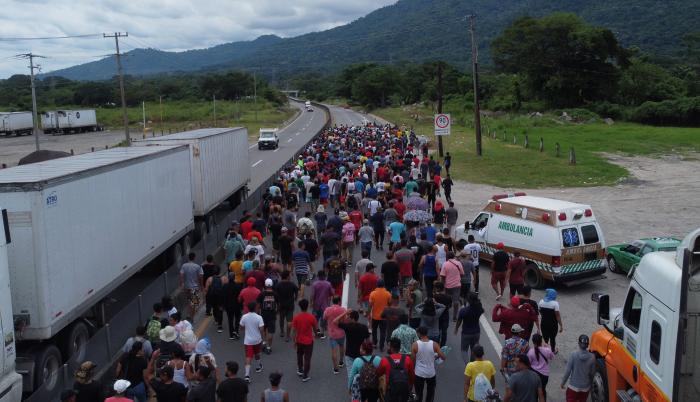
(397, 228)
(430, 233)
(323, 190)
(359, 186)
(429, 269)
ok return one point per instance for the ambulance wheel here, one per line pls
(612, 265)
(533, 276)
(47, 366)
(599, 387)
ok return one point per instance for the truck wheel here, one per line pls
(533, 276)
(46, 369)
(612, 265)
(73, 345)
(599, 387)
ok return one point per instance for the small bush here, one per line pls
(680, 112)
(607, 109)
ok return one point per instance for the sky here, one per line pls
(171, 25)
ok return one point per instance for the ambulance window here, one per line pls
(570, 237)
(632, 313)
(481, 221)
(655, 344)
(590, 234)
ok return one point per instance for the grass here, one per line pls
(508, 165)
(182, 115)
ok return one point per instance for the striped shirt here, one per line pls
(301, 260)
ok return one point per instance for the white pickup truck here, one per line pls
(268, 138)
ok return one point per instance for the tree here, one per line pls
(643, 81)
(562, 60)
(375, 85)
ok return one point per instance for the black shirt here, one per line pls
(209, 271)
(500, 260)
(286, 294)
(132, 369)
(232, 390)
(390, 271)
(311, 247)
(355, 334)
(329, 241)
(286, 245)
(89, 392)
(173, 392)
(205, 391)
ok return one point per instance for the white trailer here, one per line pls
(18, 123)
(69, 121)
(10, 381)
(81, 226)
(220, 167)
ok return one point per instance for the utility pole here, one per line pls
(35, 116)
(125, 116)
(143, 107)
(214, 97)
(160, 106)
(475, 75)
(255, 95)
(439, 89)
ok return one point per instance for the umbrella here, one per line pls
(417, 216)
(416, 202)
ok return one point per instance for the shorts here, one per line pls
(193, 297)
(516, 288)
(253, 350)
(338, 289)
(498, 277)
(454, 293)
(301, 279)
(336, 343)
(286, 258)
(270, 322)
(286, 313)
(464, 290)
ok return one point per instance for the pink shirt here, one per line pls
(452, 271)
(330, 315)
(541, 365)
(348, 232)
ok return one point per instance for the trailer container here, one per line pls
(69, 121)
(17, 123)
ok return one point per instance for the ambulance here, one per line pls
(561, 241)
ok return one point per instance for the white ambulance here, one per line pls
(560, 240)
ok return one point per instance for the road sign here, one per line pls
(442, 124)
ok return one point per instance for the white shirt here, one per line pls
(373, 205)
(333, 190)
(425, 359)
(253, 324)
(259, 249)
(473, 249)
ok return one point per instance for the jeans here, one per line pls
(366, 246)
(381, 325)
(430, 392)
(429, 281)
(138, 392)
(348, 364)
(467, 344)
(304, 358)
(369, 395)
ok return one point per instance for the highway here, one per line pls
(324, 385)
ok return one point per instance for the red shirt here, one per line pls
(437, 179)
(356, 218)
(516, 266)
(247, 295)
(246, 227)
(252, 233)
(368, 282)
(400, 209)
(304, 323)
(384, 367)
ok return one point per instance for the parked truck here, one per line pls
(69, 121)
(220, 168)
(652, 352)
(17, 123)
(10, 380)
(81, 226)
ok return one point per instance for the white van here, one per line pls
(560, 240)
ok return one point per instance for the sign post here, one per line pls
(443, 123)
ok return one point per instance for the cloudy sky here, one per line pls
(163, 24)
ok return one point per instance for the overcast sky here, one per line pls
(172, 25)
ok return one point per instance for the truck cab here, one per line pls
(268, 139)
(308, 107)
(10, 380)
(649, 349)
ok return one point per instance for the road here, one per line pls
(324, 385)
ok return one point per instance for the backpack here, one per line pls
(368, 374)
(398, 378)
(268, 302)
(153, 328)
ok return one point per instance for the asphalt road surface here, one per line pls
(324, 385)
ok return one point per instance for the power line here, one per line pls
(10, 39)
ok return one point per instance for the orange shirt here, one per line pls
(379, 299)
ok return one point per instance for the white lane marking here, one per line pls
(257, 163)
(493, 338)
(276, 149)
(346, 291)
(289, 140)
(297, 134)
(252, 146)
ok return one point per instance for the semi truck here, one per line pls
(220, 169)
(69, 121)
(10, 380)
(80, 227)
(17, 123)
(649, 349)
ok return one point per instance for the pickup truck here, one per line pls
(268, 138)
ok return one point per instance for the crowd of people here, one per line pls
(289, 269)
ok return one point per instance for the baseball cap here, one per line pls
(516, 329)
(500, 246)
(121, 386)
(268, 282)
(515, 301)
(251, 281)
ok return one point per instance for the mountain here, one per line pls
(413, 31)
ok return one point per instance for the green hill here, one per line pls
(415, 31)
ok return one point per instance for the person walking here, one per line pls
(287, 294)
(474, 369)
(451, 274)
(232, 306)
(428, 266)
(249, 294)
(517, 313)
(302, 265)
(515, 274)
(474, 249)
(269, 303)
(214, 296)
(336, 335)
(191, 281)
(275, 393)
(423, 353)
(348, 237)
(87, 388)
(379, 299)
(399, 372)
(252, 324)
(550, 318)
(524, 384)
(364, 372)
(131, 367)
(405, 334)
(233, 388)
(540, 356)
(321, 294)
(580, 369)
(451, 213)
(441, 297)
(499, 266)
(429, 312)
(366, 236)
(355, 334)
(468, 319)
(513, 347)
(366, 284)
(302, 329)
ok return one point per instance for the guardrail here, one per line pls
(105, 345)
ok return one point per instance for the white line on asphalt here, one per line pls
(257, 163)
(289, 140)
(276, 149)
(297, 134)
(252, 146)
(493, 338)
(346, 291)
